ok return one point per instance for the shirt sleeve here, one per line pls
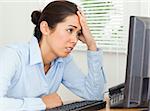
(89, 86)
(9, 62)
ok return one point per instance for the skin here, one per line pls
(59, 42)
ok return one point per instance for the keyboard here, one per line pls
(116, 95)
(88, 105)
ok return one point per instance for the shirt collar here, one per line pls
(59, 60)
(35, 53)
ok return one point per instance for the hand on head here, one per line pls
(86, 34)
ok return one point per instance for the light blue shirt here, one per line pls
(23, 80)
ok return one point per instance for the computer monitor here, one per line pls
(137, 81)
(145, 98)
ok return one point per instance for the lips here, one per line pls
(68, 49)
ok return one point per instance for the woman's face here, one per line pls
(63, 39)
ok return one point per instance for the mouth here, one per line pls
(68, 49)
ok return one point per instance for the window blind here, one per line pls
(105, 20)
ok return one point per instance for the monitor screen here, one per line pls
(138, 63)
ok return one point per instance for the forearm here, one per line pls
(95, 80)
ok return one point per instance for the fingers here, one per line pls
(81, 12)
(81, 15)
(82, 19)
(83, 23)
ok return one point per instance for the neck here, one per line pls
(47, 55)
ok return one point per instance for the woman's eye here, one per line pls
(79, 34)
(69, 30)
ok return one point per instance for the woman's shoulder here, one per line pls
(20, 49)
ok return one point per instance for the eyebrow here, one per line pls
(73, 26)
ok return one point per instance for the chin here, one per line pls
(64, 55)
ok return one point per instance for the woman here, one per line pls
(31, 73)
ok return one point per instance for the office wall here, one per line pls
(16, 25)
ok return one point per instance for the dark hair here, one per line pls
(54, 13)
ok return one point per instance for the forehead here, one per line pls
(71, 20)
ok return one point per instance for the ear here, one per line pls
(44, 28)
